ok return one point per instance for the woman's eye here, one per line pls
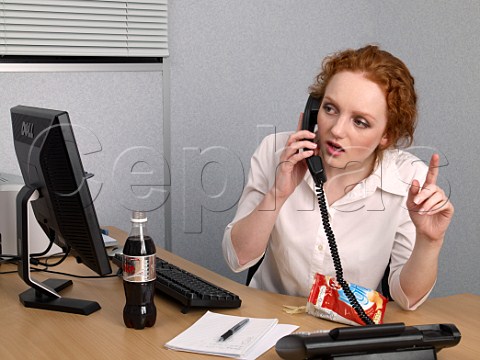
(329, 109)
(361, 122)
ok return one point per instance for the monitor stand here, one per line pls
(42, 295)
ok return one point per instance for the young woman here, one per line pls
(384, 204)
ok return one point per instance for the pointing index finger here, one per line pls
(432, 173)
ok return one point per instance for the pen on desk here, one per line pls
(233, 330)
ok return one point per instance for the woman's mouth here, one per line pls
(334, 149)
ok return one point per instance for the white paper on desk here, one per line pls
(203, 336)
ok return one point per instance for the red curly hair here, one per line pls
(393, 77)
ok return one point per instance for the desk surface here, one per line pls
(40, 334)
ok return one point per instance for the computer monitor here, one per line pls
(51, 165)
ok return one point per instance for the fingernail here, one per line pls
(416, 200)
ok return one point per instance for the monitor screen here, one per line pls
(50, 163)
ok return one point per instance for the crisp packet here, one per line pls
(327, 300)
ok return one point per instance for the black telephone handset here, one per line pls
(314, 163)
(315, 166)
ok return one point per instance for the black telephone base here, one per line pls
(417, 354)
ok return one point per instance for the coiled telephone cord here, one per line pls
(336, 258)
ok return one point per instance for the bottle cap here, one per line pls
(139, 217)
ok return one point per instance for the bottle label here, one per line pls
(138, 268)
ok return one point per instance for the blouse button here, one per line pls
(320, 247)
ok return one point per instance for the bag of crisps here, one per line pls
(327, 300)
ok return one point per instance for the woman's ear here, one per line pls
(384, 142)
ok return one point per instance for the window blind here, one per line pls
(84, 28)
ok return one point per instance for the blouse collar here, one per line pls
(386, 177)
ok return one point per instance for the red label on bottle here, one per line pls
(138, 268)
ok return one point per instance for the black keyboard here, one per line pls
(188, 289)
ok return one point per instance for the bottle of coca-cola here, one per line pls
(139, 275)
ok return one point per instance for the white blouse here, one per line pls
(371, 226)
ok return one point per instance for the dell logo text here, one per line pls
(27, 129)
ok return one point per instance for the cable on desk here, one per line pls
(61, 273)
(14, 259)
(74, 275)
(35, 261)
(8, 272)
(11, 258)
